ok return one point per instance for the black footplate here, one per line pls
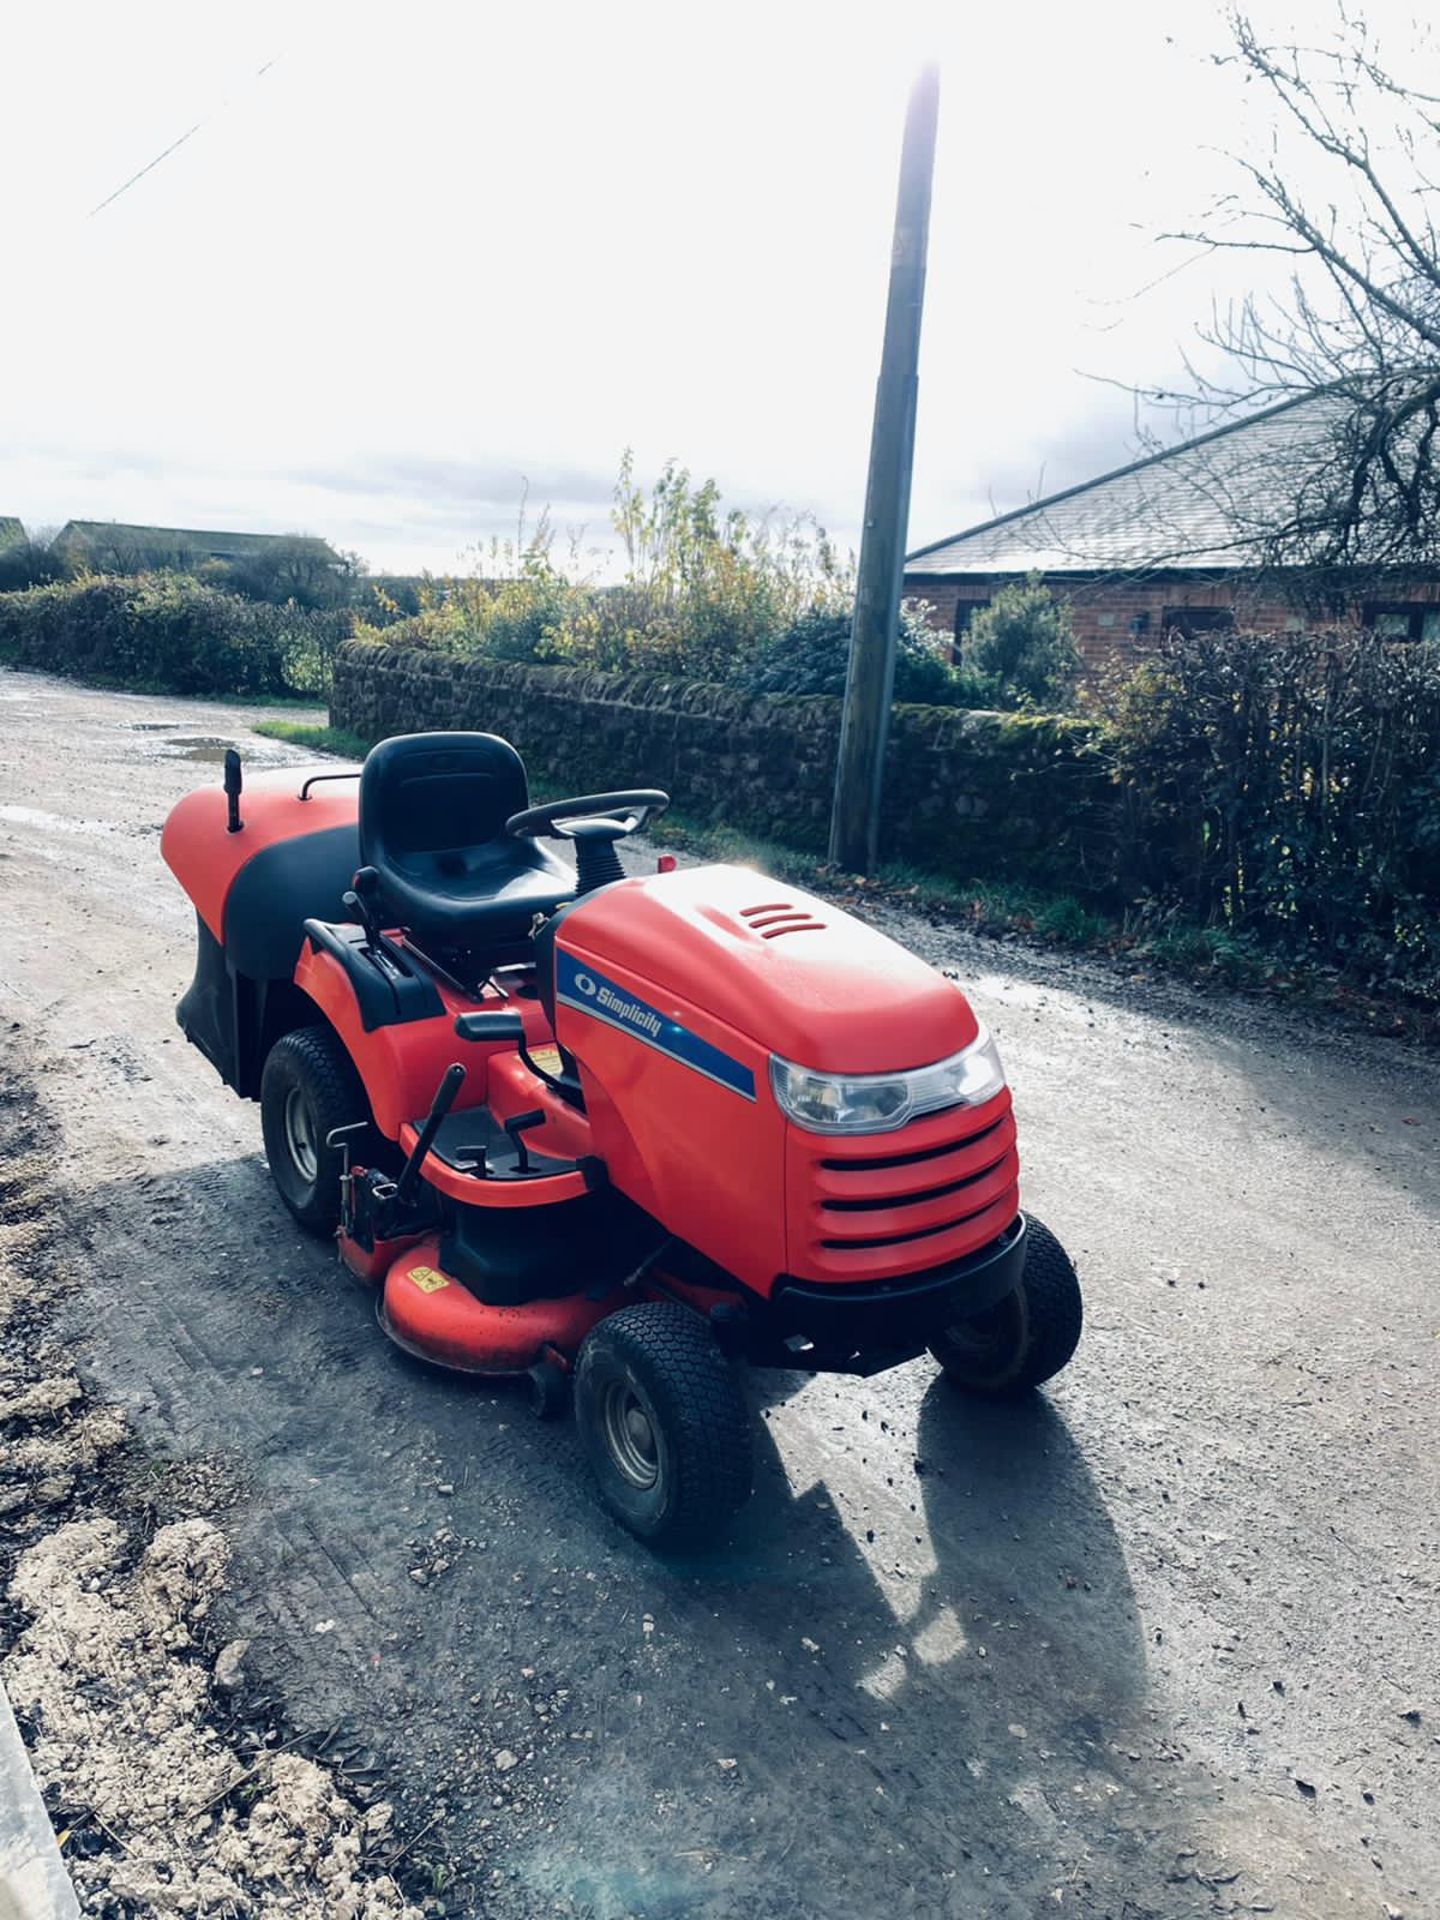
(476, 1142)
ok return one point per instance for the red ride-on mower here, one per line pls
(613, 1134)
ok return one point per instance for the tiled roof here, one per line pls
(108, 533)
(1205, 504)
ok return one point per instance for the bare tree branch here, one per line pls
(1359, 325)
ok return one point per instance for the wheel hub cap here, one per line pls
(300, 1135)
(630, 1437)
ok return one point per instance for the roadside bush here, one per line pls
(527, 615)
(1024, 642)
(382, 599)
(169, 633)
(294, 568)
(704, 590)
(813, 656)
(1287, 786)
(29, 563)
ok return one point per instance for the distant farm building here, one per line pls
(112, 546)
(1172, 541)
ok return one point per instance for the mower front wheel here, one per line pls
(307, 1089)
(1027, 1337)
(663, 1424)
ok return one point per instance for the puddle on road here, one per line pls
(209, 749)
(52, 822)
(200, 746)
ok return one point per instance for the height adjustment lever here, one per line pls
(450, 1085)
(517, 1126)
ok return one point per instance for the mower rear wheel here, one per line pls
(1025, 1338)
(308, 1088)
(663, 1424)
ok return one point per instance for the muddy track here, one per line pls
(954, 1661)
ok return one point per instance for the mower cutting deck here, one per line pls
(611, 1134)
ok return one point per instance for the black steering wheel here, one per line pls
(593, 816)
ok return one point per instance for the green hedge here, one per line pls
(169, 633)
(1270, 797)
(1286, 787)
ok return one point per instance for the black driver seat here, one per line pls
(433, 808)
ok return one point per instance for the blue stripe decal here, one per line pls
(581, 987)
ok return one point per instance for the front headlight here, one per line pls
(880, 1102)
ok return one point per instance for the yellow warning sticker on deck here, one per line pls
(428, 1279)
(547, 1058)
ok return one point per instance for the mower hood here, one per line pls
(794, 974)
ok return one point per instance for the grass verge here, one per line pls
(324, 739)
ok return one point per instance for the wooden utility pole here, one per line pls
(869, 685)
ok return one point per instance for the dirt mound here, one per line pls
(108, 1664)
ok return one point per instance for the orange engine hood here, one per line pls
(799, 977)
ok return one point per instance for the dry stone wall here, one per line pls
(1004, 797)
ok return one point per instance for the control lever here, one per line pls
(363, 903)
(517, 1127)
(505, 1026)
(450, 1085)
(489, 1026)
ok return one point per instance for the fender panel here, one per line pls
(207, 860)
(388, 992)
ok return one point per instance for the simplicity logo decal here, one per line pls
(590, 992)
(634, 1012)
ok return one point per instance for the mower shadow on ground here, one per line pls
(928, 1681)
(948, 1662)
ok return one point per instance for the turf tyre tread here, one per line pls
(706, 1439)
(314, 1059)
(1050, 1313)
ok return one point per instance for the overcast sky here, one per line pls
(435, 250)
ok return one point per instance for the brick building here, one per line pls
(1169, 541)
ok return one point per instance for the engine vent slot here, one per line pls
(887, 1203)
(771, 918)
(882, 1162)
(893, 1239)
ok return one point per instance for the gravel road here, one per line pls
(1164, 1643)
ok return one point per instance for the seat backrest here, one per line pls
(426, 794)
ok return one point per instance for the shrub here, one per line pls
(528, 616)
(170, 633)
(29, 563)
(706, 590)
(703, 593)
(382, 599)
(813, 656)
(1024, 642)
(295, 568)
(1287, 786)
